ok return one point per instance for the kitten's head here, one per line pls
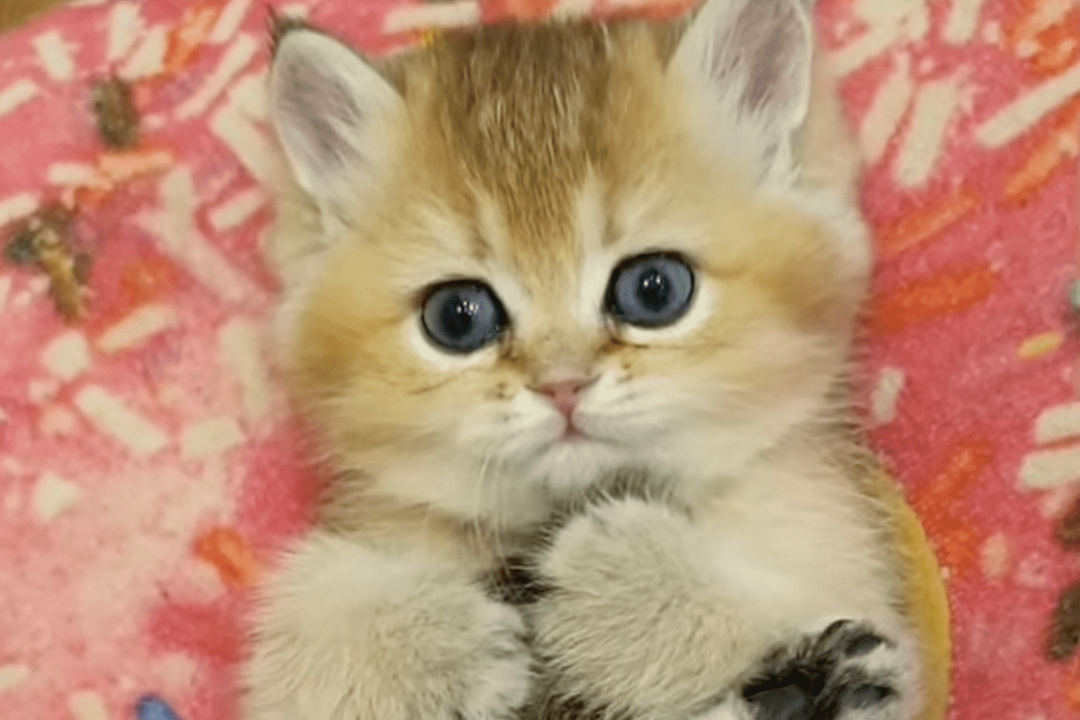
(525, 257)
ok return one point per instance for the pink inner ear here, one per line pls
(771, 47)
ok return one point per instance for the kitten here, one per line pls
(582, 294)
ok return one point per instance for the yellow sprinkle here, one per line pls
(428, 38)
(1040, 345)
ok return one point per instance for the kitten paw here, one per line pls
(849, 671)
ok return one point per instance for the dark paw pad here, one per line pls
(846, 672)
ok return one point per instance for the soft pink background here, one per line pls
(104, 592)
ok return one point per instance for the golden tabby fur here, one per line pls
(716, 516)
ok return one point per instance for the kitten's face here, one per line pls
(552, 275)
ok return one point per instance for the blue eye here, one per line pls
(462, 316)
(650, 291)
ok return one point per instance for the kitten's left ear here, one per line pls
(754, 58)
(332, 112)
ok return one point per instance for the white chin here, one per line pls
(575, 463)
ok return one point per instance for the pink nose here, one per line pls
(565, 394)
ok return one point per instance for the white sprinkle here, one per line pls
(87, 706)
(862, 50)
(13, 675)
(40, 391)
(138, 327)
(5, 290)
(991, 32)
(249, 95)
(112, 417)
(572, 8)
(887, 110)
(246, 142)
(125, 24)
(148, 58)
(208, 438)
(1050, 468)
(995, 556)
(241, 352)
(53, 53)
(76, 174)
(236, 58)
(1033, 572)
(1055, 501)
(173, 224)
(1058, 423)
(67, 356)
(295, 10)
(52, 496)
(237, 209)
(963, 20)
(431, 16)
(229, 21)
(886, 394)
(38, 286)
(911, 18)
(930, 120)
(1021, 114)
(16, 95)
(17, 207)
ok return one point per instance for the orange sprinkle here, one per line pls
(122, 166)
(957, 544)
(926, 299)
(1055, 147)
(1055, 45)
(964, 464)
(927, 222)
(147, 279)
(1047, 157)
(229, 553)
(186, 39)
(1032, 20)
(1039, 345)
(1072, 691)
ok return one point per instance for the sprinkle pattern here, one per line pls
(148, 469)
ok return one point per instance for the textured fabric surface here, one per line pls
(148, 466)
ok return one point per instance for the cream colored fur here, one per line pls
(536, 159)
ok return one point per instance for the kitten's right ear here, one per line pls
(331, 111)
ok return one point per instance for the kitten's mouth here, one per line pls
(573, 435)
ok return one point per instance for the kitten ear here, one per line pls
(331, 111)
(754, 57)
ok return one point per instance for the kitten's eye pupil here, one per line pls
(650, 290)
(462, 316)
(655, 289)
(457, 316)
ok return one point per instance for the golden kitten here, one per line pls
(572, 304)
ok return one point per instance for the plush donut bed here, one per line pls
(148, 465)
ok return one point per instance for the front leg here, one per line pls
(644, 614)
(348, 632)
(632, 621)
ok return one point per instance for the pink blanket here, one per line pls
(148, 466)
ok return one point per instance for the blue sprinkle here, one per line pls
(154, 708)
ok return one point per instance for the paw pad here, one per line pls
(846, 672)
